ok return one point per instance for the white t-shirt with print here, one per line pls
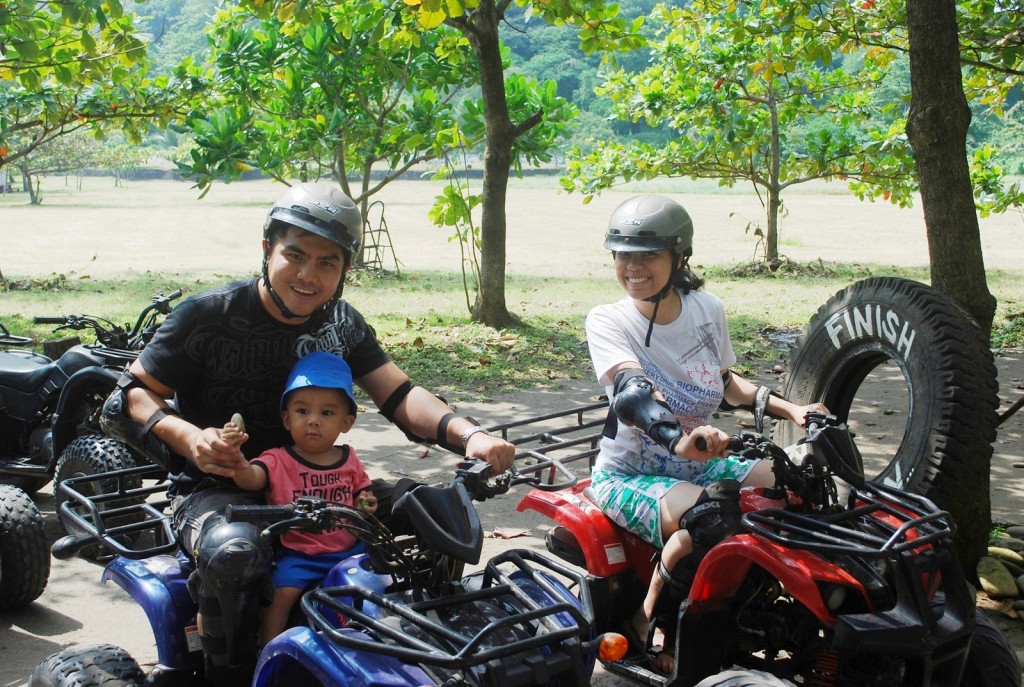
(685, 359)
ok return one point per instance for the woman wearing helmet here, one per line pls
(663, 352)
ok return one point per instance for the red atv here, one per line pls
(833, 580)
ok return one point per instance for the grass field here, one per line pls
(105, 250)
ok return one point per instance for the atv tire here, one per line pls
(743, 678)
(913, 331)
(991, 660)
(24, 551)
(105, 665)
(94, 455)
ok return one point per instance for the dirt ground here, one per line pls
(170, 231)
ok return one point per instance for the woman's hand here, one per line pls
(800, 414)
(703, 443)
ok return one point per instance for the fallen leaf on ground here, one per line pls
(499, 533)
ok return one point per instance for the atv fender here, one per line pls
(159, 585)
(726, 566)
(604, 546)
(296, 654)
(78, 390)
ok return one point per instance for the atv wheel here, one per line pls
(95, 455)
(991, 661)
(925, 357)
(743, 678)
(105, 665)
(24, 552)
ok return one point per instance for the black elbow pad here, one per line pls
(634, 404)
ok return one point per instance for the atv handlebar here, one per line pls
(8, 339)
(114, 335)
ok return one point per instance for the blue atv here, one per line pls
(401, 613)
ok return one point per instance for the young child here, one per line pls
(317, 406)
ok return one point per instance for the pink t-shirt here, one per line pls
(290, 476)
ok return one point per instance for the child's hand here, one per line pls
(366, 501)
(234, 431)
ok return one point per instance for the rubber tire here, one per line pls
(743, 678)
(24, 550)
(951, 383)
(93, 455)
(105, 665)
(991, 660)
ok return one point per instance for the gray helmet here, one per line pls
(647, 223)
(320, 209)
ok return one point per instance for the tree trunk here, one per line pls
(771, 240)
(490, 307)
(937, 130)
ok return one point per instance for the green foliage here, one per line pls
(71, 66)
(778, 93)
(176, 31)
(333, 95)
(751, 96)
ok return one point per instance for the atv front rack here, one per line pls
(881, 521)
(551, 635)
(125, 510)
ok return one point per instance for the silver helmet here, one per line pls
(321, 209)
(649, 223)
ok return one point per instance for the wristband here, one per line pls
(475, 429)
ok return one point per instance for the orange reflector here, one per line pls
(613, 647)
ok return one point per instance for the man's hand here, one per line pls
(495, 450)
(214, 455)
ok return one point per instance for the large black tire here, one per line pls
(743, 678)
(93, 455)
(991, 661)
(24, 551)
(105, 665)
(909, 330)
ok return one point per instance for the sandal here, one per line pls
(637, 646)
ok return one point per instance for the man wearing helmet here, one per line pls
(230, 350)
(663, 352)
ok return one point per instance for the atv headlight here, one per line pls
(834, 596)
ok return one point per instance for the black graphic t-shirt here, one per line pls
(223, 353)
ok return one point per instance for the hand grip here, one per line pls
(250, 513)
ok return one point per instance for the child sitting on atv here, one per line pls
(317, 407)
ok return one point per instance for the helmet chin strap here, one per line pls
(659, 297)
(284, 308)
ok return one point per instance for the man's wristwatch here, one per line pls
(470, 432)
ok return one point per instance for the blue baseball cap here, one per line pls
(323, 370)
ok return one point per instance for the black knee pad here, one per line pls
(714, 516)
(231, 555)
(231, 582)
